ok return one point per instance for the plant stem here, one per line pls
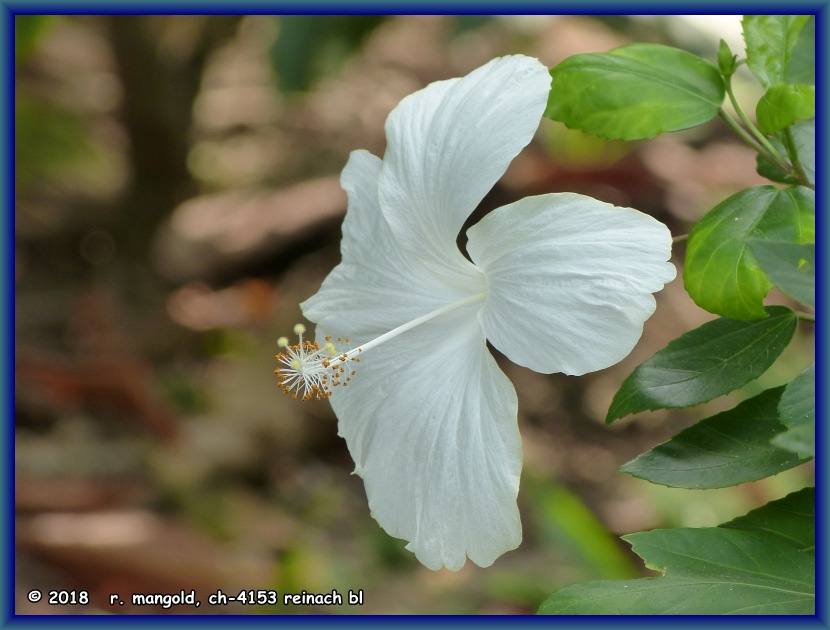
(769, 150)
(805, 316)
(746, 137)
(679, 238)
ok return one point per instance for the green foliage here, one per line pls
(720, 274)
(28, 30)
(310, 46)
(802, 63)
(52, 145)
(785, 104)
(763, 562)
(758, 564)
(802, 136)
(789, 266)
(791, 519)
(797, 411)
(570, 525)
(710, 361)
(770, 44)
(727, 449)
(636, 91)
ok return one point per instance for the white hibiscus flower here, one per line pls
(557, 282)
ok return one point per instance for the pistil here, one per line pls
(309, 371)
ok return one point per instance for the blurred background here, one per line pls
(177, 196)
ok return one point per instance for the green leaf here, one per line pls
(804, 138)
(722, 552)
(770, 44)
(707, 362)
(791, 518)
(760, 563)
(790, 266)
(711, 570)
(802, 66)
(784, 104)
(798, 412)
(719, 274)
(798, 402)
(727, 449)
(635, 91)
(800, 440)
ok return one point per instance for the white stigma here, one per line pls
(309, 371)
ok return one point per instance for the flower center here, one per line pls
(308, 371)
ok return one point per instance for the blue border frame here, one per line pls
(8, 9)
(822, 19)
(410, 7)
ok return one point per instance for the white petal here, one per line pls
(378, 286)
(569, 279)
(430, 421)
(449, 143)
